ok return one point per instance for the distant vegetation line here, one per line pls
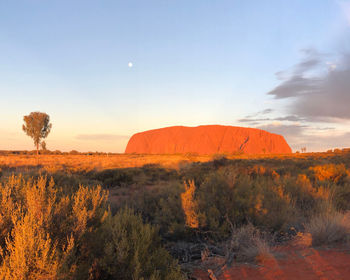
(75, 152)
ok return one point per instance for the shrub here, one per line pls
(162, 206)
(133, 250)
(114, 177)
(189, 205)
(47, 234)
(31, 253)
(249, 244)
(328, 228)
(226, 196)
(42, 233)
(332, 172)
(342, 196)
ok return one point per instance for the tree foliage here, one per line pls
(37, 126)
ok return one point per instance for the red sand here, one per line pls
(207, 139)
(289, 264)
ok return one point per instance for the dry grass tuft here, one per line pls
(329, 228)
(250, 245)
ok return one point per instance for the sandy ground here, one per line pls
(289, 263)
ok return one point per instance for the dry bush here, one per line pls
(249, 244)
(40, 237)
(333, 172)
(259, 170)
(328, 228)
(46, 233)
(189, 205)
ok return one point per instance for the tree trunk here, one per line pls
(37, 153)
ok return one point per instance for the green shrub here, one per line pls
(161, 206)
(342, 196)
(133, 250)
(225, 196)
(114, 177)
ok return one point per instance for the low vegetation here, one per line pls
(100, 217)
(249, 244)
(329, 228)
(46, 234)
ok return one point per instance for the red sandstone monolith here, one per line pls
(206, 140)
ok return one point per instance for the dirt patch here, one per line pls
(289, 263)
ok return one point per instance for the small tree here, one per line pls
(37, 126)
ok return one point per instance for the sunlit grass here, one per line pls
(84, 162)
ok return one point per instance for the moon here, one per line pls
(130, 64)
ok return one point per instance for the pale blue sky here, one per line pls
(194, 62)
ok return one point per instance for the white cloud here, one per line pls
(101, 137)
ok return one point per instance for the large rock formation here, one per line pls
(207, 139)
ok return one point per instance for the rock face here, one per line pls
(207, 139)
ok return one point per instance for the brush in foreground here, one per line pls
(329, 228)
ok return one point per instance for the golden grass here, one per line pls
(81, 162)
(76, 163)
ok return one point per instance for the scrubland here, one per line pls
(165, 216)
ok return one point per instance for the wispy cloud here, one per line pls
(266, 111)
(253, 120)
(299, 136)
(102, 137)
(291, 118)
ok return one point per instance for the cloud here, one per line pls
(295, 86)
(266, 111)
(102, 137)
(253, 120)
(319, 95)
(263, 112)
(304, 136)
(316, 92)
(294, 134)
(291, 118)
(326, 141)
(289, 131)
(345, 6)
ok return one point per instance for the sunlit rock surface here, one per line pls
(207, 139)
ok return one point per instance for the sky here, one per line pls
(104, 70)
